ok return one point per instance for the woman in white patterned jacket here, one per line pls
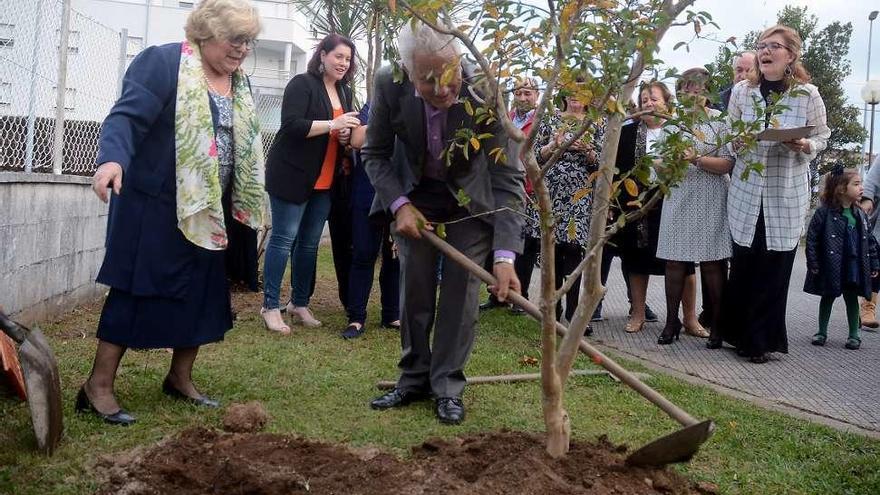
(766, 211)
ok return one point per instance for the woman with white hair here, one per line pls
(181, 150)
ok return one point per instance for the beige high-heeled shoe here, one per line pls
(273, 321)
(302, 315)
(633, 327)
(696, 331)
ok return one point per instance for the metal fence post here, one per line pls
(32, 94)
(123, 56)
(61, 90)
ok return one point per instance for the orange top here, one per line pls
(325, 180)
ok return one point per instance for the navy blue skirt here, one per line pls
(202, 316)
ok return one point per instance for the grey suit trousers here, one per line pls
(439, 368)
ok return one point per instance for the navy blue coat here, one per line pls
(146, 255)
(826, 241)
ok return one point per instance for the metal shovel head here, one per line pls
(679, 446)
(43, 390)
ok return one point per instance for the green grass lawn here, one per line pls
(316, 385)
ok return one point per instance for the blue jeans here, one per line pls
(369, 240)
(296, 232)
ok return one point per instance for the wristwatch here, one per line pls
(503, 259)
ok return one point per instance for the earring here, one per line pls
(788, 70)
(321, 67)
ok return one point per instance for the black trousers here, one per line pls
(756, 298)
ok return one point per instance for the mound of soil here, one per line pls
(245, 418)
(207, 461)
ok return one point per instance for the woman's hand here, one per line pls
(109, 174)
(345, 121)
(801, 145)
(344, 136)
(867, 205)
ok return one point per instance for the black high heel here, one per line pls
(171, 391)
(119, 418)
(669, 334)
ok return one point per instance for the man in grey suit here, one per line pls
(423, 115)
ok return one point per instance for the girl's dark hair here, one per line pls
(330, 42)
(836, 183)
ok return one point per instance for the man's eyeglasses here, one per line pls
(772, 46)
(242, 42)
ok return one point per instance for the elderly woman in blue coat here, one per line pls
(180, 148)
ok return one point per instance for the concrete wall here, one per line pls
(52, 230)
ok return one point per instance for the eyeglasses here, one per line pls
(242, 42)
(772, 46)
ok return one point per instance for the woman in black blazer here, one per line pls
(316, 123)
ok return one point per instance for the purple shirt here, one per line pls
(435, 135)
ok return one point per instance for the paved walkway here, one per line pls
(831, 382)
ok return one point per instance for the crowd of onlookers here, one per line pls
(180, 150)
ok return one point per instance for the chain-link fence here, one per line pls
(269, 112)
(30, 34)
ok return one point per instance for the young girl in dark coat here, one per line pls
(841, 252)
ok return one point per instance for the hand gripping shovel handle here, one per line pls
(17, 332)
(597, 356)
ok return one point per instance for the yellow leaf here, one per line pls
(697, 26)
(392, 5)
(774, 123)
(475, 143)
(571, 230)
(631, 188)
(580, 194)
(700, 135)
(611, 105)
(635, 202)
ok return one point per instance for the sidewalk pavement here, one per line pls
(831, 384)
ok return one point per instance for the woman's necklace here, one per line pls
(211, 87)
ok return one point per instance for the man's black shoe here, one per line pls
(517, 311)
(450, 410)
(397, 398)
(492, 303)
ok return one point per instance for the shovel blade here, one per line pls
(43, 390)
(679, 446)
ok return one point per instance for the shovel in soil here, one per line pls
(679, 446)
(41, 382)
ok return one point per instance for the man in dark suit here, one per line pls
(423, 113)
(742, 64)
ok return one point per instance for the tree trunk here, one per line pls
(555, 418)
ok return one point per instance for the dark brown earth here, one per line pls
(205, 461)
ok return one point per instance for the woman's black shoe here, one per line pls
(120, 417)
(763, 358)
(353, 331)
(393, 325)
(170, 391)
(713, 342)
(669, 334)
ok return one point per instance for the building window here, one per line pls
(73, 40)
(7, 35)
(5, 93)
(69, 98)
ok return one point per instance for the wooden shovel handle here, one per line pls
(597, 356)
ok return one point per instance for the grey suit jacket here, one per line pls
(397, 114)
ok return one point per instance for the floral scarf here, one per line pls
(199, 207)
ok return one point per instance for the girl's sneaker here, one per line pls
(819, 339)
(853, 343)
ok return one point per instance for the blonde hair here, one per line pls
(223, 20)
(794, 44)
